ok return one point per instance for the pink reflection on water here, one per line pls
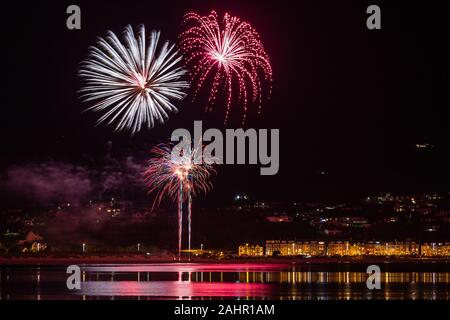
(186, 267)
(174, 289)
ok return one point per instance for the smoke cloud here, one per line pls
(54, 182)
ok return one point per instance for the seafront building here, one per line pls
(346, 248)
(251, 250)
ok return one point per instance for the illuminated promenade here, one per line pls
(346, 248)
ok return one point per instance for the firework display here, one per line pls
(228, 51)
(132, 82)
(321, 126)
(178, 177)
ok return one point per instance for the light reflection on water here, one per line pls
(217, 281)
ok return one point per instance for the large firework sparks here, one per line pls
(229, 51)
(130, 81)
(178, 177)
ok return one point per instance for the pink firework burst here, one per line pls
(176, 177)
(228, 51)
(179, 177)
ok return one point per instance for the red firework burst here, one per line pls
(230, 52)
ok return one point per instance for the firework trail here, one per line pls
(130, 81)
(230, 52)
(178, 177)
(189, 220)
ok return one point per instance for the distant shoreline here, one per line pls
(131, 259)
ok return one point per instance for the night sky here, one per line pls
(348, 101)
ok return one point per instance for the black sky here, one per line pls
(348, 101)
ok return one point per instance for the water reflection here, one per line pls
(216, 281)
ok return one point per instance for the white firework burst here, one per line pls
(130, 82)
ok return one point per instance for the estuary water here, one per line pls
(227, 281)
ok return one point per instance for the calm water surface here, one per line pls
(227, 281)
